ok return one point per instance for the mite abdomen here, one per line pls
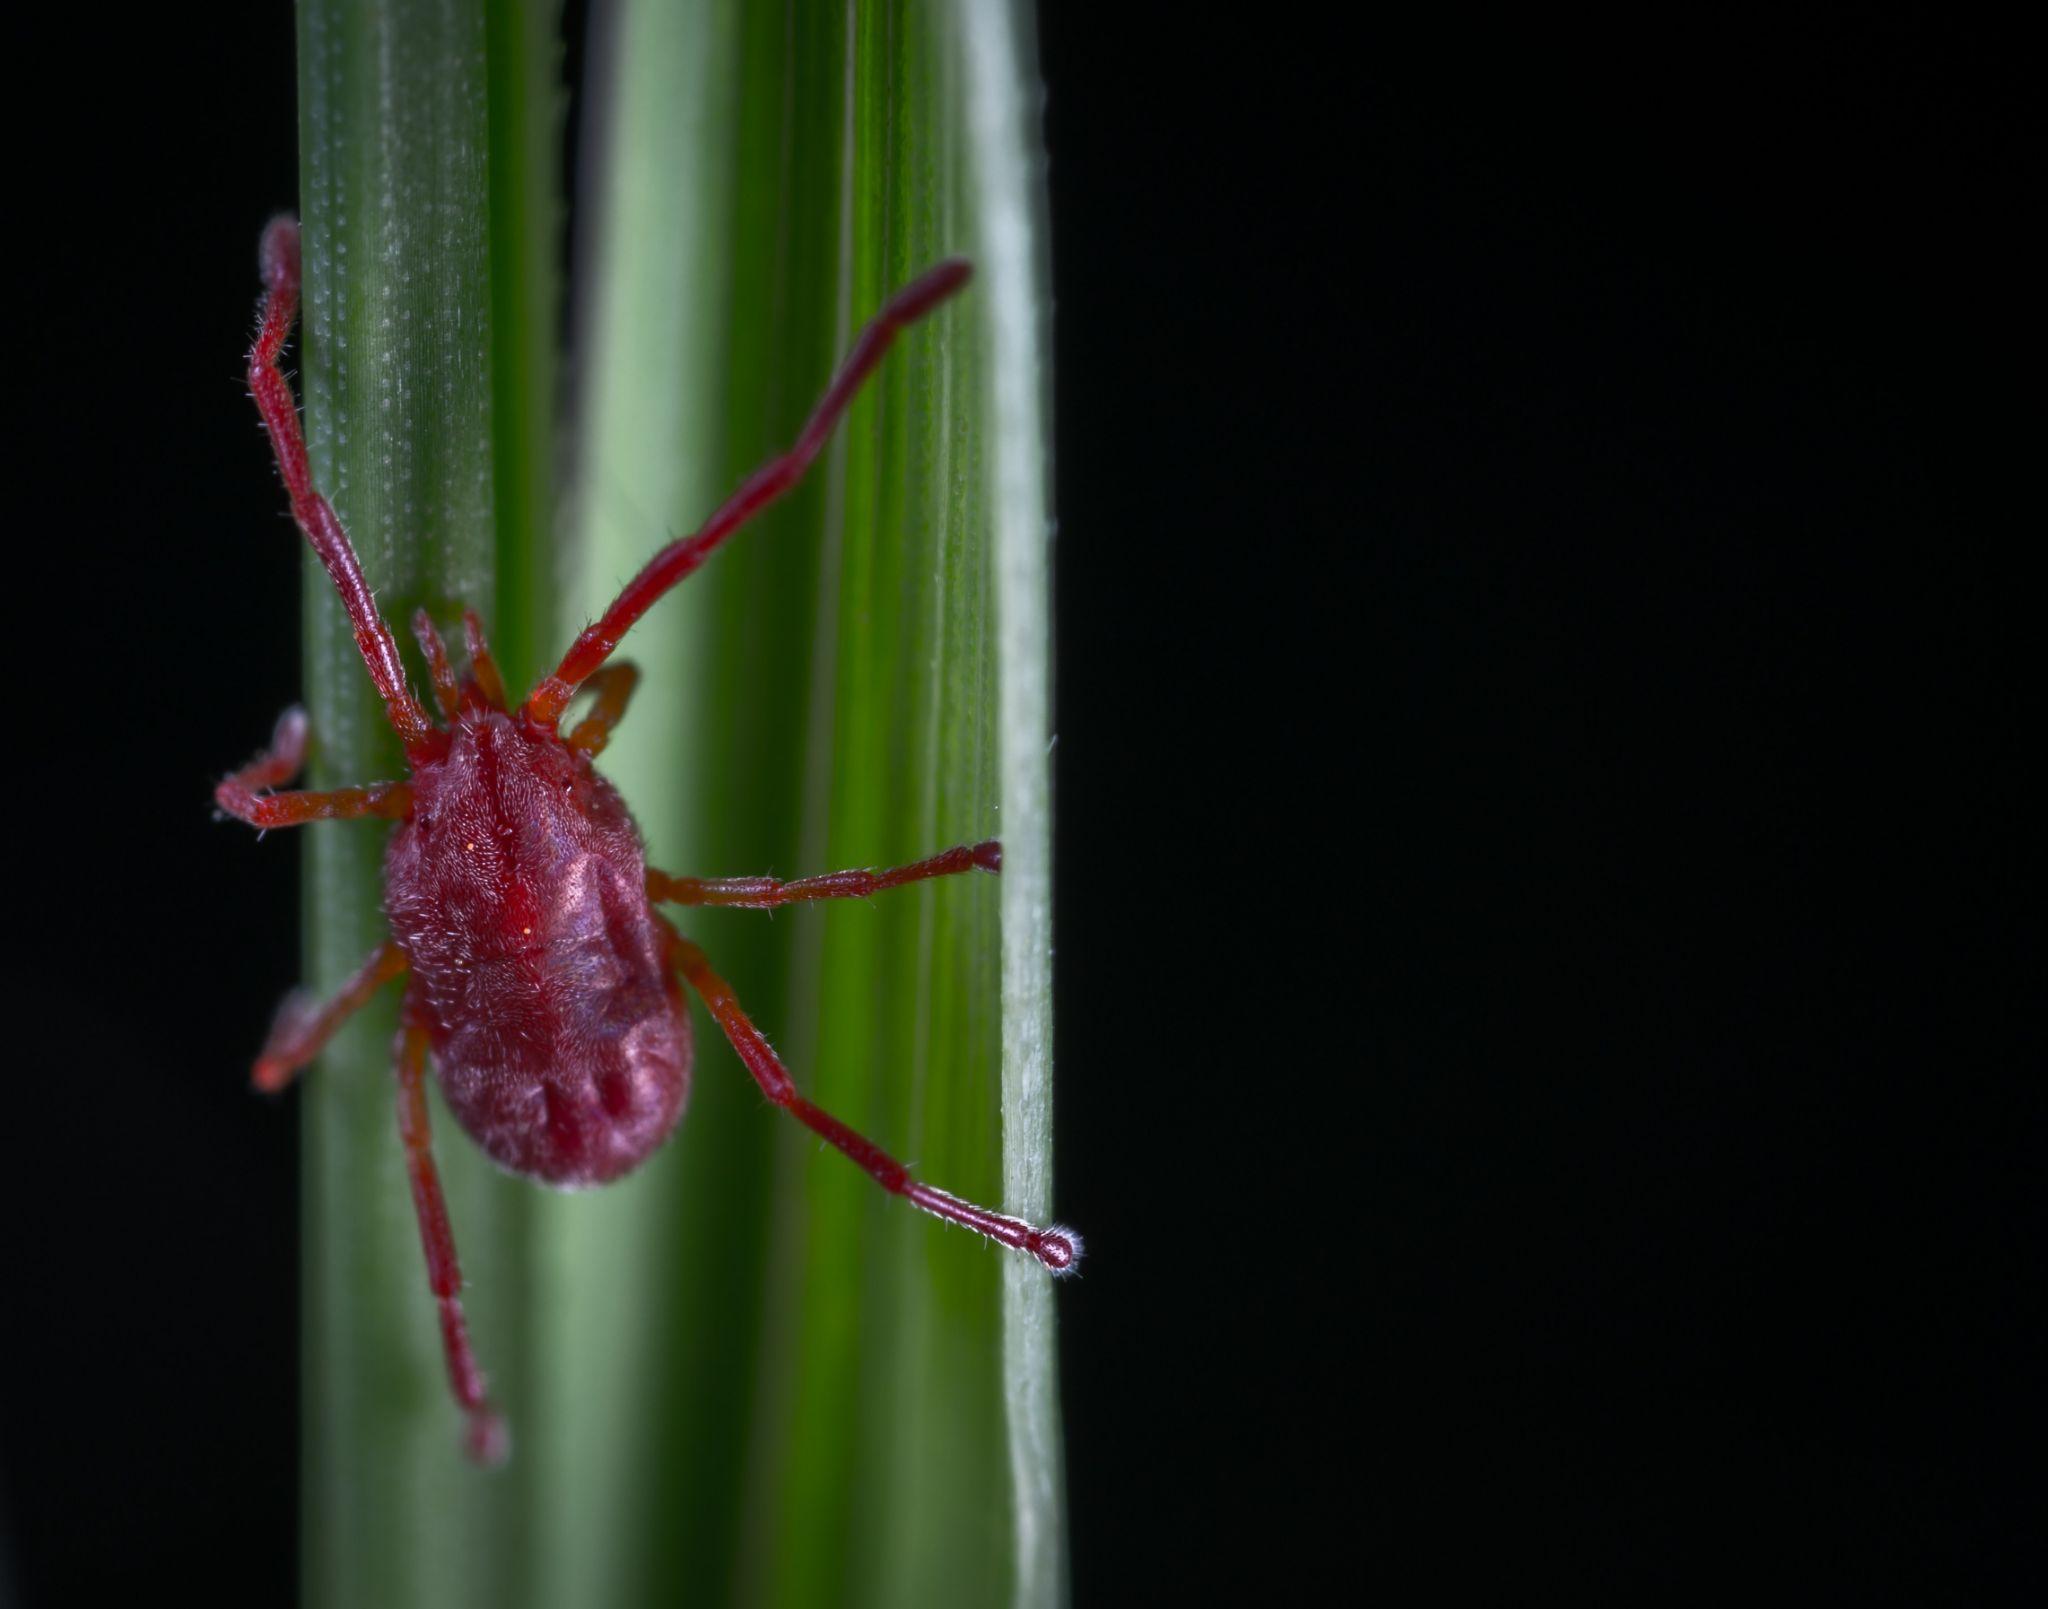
(540, 972)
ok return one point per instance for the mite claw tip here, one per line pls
(486, 1439)
(923, 294)
(1060, 1251)
(278, 257)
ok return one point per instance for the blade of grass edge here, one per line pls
(1004, 138)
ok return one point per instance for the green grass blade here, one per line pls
(767, 1382)
(529, 105)
(426, 327)
(743, 1375)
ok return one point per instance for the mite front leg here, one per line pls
(485, 1439)
(277, 764)
(302, 1029)
(279, 260)
(243, 797)
(766, 893)
(613, 684)
(392, 801)
(1058, 1249)
(774, 478)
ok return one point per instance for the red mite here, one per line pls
(540, 980)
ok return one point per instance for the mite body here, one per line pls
(541, 985)
(542, 976)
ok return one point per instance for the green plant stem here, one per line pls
(742, 1375)
(408, 412)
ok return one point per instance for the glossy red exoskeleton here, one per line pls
(541, 983)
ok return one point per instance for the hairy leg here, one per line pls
(243, 797)
(485, 1438)
(280, 762)
(303, 1027)
(315, 515)
(391, 801)
(447, 690)
(766, 893)
(613, 684)
(591, 649)
(1058, 1249)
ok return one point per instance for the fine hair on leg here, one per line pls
(767, 893)
(1059, 1249)
(594, 646)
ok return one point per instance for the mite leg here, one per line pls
(447, 690)
(281, 761)
(482, 667)
(390, 800)
(613, 684)
(1058, 1249)
(756, 492)
(315, 515)
(485, 1438)
(765, 893)
(242, 795)
(303, 1028)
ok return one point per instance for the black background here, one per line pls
(1549, 973)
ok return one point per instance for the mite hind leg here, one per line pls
(1057, 1248)
(766, 893)
(303, 1027)
(244, 794)
(484, 1438)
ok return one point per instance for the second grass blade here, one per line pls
(768, 1381)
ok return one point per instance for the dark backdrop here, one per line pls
(1549, 989)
